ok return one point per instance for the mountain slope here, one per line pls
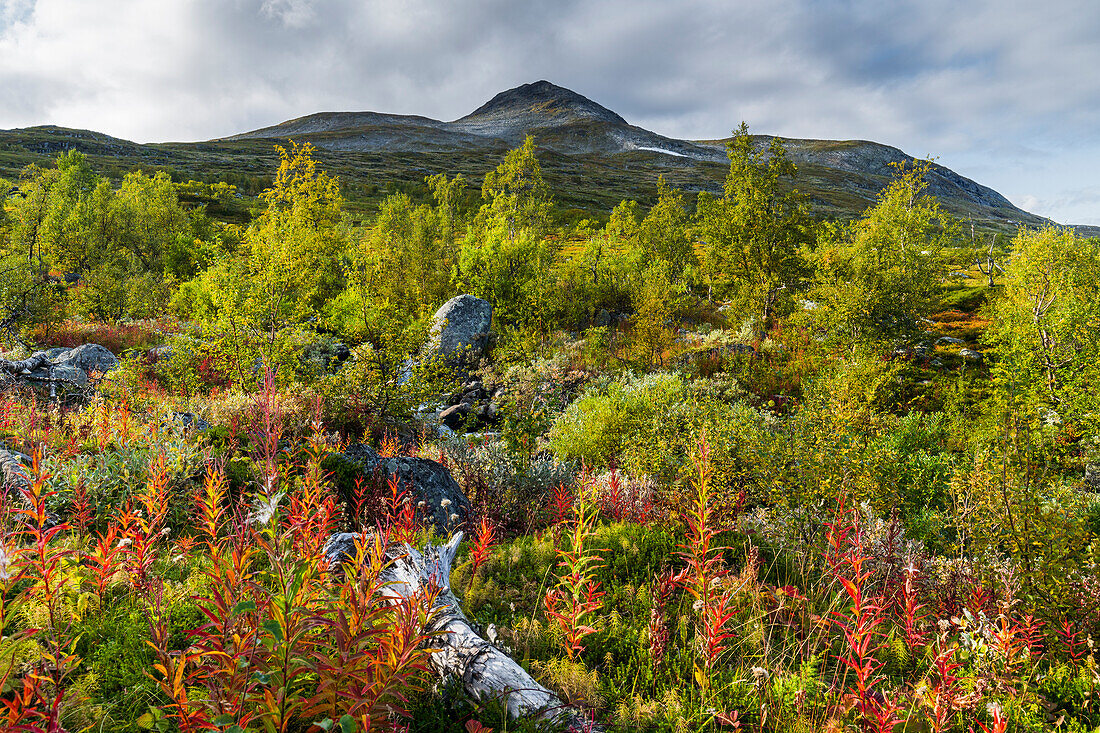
(843, 176)
(592, 156)
(874, 164)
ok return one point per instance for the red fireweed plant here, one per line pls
(286, 642)
(7, 413)
(485, 537)
(913, 617)
(80, 511)
(859, 623)
(1074, 642)
(399, 523)
(210, 506)
(173, 668)
(1010, 641)
(576, 599)
(289, 594)
(359, 504)
(311, 513)
(103, 561)
(945, 688)
(376, 652)
(705, 568)
(561, 504)
(999, 723)
(41, 561)
(615, 500)
(622, 504)
(1032, 631)
(663, 588)
(141, 528)
(266, 434)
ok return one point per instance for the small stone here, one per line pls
(454, 417)
(1092, 477)
(189, 420)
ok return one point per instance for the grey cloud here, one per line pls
(968, 80)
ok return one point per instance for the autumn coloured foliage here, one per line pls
(729, 468)
(276, 639)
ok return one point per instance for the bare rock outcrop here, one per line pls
(75, 366)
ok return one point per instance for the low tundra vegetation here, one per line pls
(748, 471)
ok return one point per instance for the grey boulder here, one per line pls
(189, 420)
(455, 417)
(13, 468)
(89, 358)
(68, 373)
(444, 506)
(460, 329)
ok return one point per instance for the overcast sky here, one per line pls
(1006, 92)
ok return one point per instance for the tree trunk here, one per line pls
(24, 366)
(485, 671)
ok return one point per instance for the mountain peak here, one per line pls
(539, 104)
(570, 124)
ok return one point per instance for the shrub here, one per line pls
(118, 338)
(514, 489)
(645, 424)
(606, 420)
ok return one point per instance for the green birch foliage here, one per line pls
(651, 335)
(62, 216)
(753, 235)
(18, 286)
(511, 271)
(288, 269)
(1046, 330)
(126, 245)
(879, 276)
(148, 219)
(405, 259)
(665, 232)
(517, 193)
(449, 193)
(505, 257)
(297, 243)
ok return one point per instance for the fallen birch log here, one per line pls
(485, 670)
(24, 366)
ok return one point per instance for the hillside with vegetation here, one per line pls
(591, 158)
(719, 461)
